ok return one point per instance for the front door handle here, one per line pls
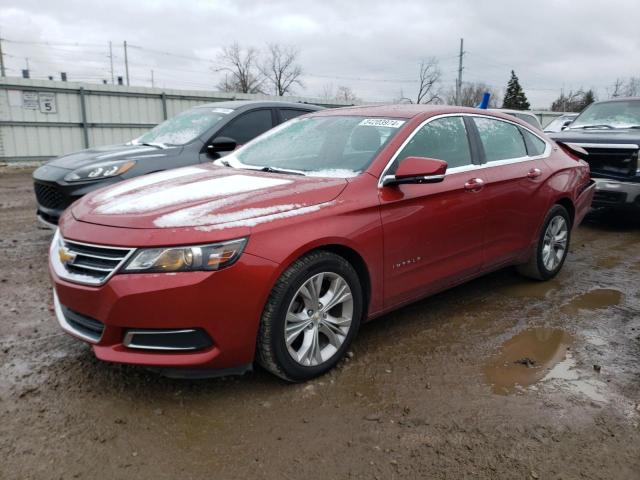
(474, 185)
(534, 173)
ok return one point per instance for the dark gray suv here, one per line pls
(201, 134)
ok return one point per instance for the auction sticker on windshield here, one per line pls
(381, 122)
(222, 110)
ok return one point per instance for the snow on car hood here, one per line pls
(206, 197)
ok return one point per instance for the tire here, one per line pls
(289, 306)
(541, 266)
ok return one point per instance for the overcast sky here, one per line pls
(374, 47)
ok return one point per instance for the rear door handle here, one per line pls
(474, 185)
(534, 173)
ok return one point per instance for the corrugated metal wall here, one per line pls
(89, 115)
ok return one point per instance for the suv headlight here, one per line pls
(98, 171)
(184, 259)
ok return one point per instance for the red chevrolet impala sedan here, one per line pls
(278, 251)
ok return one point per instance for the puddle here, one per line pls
(593, 300)
(526, 358)
(566, 371)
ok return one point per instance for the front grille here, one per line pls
(613, 161)
(89, 264)
(87, 326)
(50, 197)
(609, 198)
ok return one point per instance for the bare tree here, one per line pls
(616, 91)
(629, 88)
(345, 94)
(429, 81)
(281, 69)
(327, 92)
(240, 67)
(471, 95)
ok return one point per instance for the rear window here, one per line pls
(535, 146)
(501, 140)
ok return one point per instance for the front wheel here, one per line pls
(311, 317)
(552, 247)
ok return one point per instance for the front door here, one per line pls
(433, 233)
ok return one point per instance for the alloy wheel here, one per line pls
(318, 319)
(554, 245)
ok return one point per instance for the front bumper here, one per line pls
(616, 194)
(225, 305)
(54, 195)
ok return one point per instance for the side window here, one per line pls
(289, 113)
(501, 140)
(535, 146)
(248, 126)
(444, 139)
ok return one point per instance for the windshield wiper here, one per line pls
(153, 144)
(280, 170)
(584, 127)
(637, 127)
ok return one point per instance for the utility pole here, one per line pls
(152, 83)
(459, 81)
(126, 63)
(113, 80)
(2, 72)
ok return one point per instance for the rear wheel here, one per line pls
(552, 247)
(311, 317)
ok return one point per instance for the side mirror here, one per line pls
(566, 124)
(222, 144)
(417, 170)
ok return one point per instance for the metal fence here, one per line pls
(41, 119)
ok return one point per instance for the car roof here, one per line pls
(410, 110)
(247, 104)
(619, 99)
(509, 110)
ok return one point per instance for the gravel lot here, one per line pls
(430, 391)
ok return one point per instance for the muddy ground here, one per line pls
(499, 378)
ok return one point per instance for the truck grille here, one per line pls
(86, 263)
(49, 196)
(619, 162)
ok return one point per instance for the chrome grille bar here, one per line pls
(86, 263)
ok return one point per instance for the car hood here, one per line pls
(205, 196)
(108, 153)
(597, 136)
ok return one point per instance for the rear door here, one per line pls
(516, 172)
(433, 233)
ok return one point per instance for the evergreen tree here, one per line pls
(588, 99)
(515, 98)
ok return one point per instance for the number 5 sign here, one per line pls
(47, 102)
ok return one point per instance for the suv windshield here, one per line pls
(616, 114)
(332, 146)
(183, 128)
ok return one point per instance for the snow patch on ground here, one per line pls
(189, 192)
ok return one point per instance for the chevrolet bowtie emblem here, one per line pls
(66, 256)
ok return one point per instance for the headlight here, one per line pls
(98, 171)
(184, 259)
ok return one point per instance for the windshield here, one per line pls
(183, 128)
(333, 146)
(618, 114)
